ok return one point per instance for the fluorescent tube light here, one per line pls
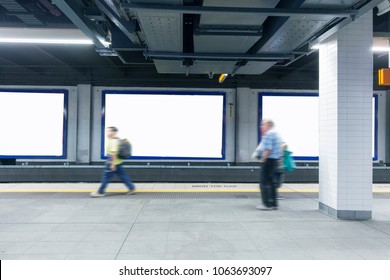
(46, 41)
(44, 36)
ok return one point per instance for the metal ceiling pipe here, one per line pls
(201, 10)
(220, 56)
(229, 31)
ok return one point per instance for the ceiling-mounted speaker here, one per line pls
(383, 7)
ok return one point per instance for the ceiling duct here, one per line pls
(383, 7)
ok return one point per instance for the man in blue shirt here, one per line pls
(269, 151)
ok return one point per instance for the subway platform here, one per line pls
(183, 221)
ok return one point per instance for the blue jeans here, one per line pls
(108, 174)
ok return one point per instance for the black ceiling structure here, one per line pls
(179, 43)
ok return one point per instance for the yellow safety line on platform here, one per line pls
(146, 191)
(167, 191)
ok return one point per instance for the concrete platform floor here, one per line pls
(183, 221)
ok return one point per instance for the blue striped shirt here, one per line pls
(272, 142)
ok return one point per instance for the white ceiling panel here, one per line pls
(255, 68)
(298, 29)
(239, 20)
(162, 31)
(233, 43)
(224, 44)
(216, 67)
(328, 4)
(292, 34)
(199, 67)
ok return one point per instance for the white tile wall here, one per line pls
(345, 117)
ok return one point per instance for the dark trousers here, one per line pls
(108, 174)
(279, 177)
(268, 182)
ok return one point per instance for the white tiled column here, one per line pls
(247, 127)
(84, 93)
(345, 168)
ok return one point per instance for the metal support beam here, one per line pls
(273, 24)
(229, 31)
(366, 8)
(94, 14)
(129, 28)
(76, 15)
(220, 56)
(120, 41)
(201, 10)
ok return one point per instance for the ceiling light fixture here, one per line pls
(44, 36)
(46, 41)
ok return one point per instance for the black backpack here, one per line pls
(124, 151)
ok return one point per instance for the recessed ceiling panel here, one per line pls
(199, 67)
(298, 29)
(232, 43)
(162, 31)
(255, 68)
(239, 20)
(328, 4)
(224, 44)
(293, 33)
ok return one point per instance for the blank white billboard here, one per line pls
(168, 125)
(296, 117)
(32, 124)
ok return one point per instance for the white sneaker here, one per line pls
(130, 192)
(264, 208)
(96, 194)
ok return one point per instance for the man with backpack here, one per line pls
(114, 164)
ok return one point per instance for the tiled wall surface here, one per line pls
(345, 117)
(247, 124)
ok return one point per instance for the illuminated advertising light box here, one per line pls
(296, 117)
(167, 124)
(33, 123)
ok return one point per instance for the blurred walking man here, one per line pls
(269, 152)
(113, 165)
